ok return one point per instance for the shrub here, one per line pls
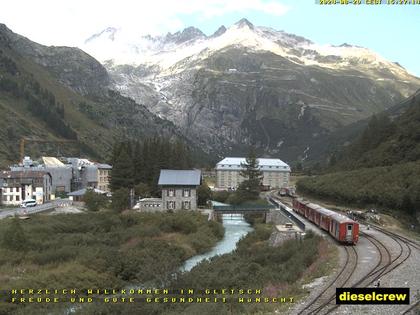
(120, 199)
(94, 201)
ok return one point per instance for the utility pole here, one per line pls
(131, 198)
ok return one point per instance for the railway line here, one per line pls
(327, 295)
(392, 250)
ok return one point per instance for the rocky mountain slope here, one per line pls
(249, 84)
(62, 93)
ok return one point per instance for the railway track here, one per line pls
(324, 302)
(385, 264)
(327, 295)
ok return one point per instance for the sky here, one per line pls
(390, 30)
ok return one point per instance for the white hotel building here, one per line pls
(275, 172)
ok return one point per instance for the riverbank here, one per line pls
(271, 277)
(97, 250)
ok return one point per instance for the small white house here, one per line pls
(18, 186)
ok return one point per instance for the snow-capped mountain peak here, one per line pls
(123, 47)
(244, 23)
(108, 33)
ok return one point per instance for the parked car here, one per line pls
(28, 203)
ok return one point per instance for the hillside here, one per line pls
(61, 93)
(380, 167)
(343, 148)
(386, 140)
(251, 84)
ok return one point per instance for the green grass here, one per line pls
(98, 250)
(394, 189)
(254, 265)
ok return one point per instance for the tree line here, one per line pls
(137, 164)
(39, 101)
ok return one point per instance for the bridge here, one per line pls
(220, 210)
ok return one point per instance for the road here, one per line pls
(33, 210)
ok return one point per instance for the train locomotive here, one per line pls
(342, 228)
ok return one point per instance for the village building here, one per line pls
(70, 174)
(61, 173)
(150, 204)
(179, 189)
(79, 195)
(104, 175)
(87, 174)
(18, 186)
(275, 173)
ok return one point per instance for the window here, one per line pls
(186, 193)
(17, 198)
(170, 204)
(171, 192)
(186, 205)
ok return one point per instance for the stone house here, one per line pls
(179, 189)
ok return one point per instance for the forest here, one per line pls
(380, 168)
(40, 102)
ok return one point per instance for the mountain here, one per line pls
(342, 143)
(58, 94)
(380, 167)
(388, 138)
(251, 84)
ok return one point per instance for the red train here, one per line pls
(342, 228)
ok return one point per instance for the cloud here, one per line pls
(55, 22)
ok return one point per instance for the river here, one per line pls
(235, 228)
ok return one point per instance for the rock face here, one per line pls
(249, 84)
(43, 89)
(71, 66)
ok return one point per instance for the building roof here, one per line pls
(104, 166)
(234, 163)
(23, 174)
(82, 192)
(51, 161)
(180, 177)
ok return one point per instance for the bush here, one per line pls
(121, 199)
(220, 196)
(14, 237)
(395, 187)
(204, 194)
(183, 223)
(94, 201)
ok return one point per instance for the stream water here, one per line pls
(235, 228)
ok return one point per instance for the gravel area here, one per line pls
(69, 210)
(405, 275)
(318, 285)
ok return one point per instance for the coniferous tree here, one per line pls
(203, 194)
(120, 199)
(122, 174)
(250, 189)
